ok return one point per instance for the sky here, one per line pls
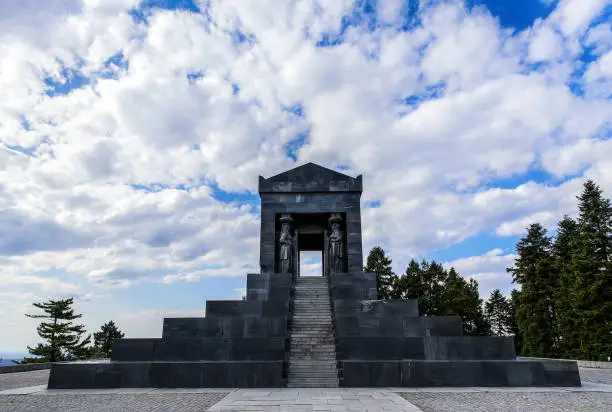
(133, 133)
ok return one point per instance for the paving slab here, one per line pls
(316, 400)
(114, 402)
(511, 401)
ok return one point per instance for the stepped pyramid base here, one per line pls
(386, 344)
(199, 374)
(464, 373)
(239, 344)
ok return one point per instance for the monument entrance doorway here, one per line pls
(310, 232)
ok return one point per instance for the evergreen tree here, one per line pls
(378, 263)
(106, 337)
(563, 250)
(536, 313)
(514, 330)
(497, 313)
(63, 338)
(461, 298)
(591, 269)
(425, 283)
(410, 285)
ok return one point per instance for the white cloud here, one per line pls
(573, 16)
(546, 45)
(489, 270)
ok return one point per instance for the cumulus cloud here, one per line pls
(124, 131)
(489, 270)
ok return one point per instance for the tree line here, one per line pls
(438, 291)
(63, 340)
(564, 306)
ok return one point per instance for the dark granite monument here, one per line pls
(245, 343)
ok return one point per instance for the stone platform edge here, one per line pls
(167, 374)
(463, 373)
(581, 363)
(26, 367)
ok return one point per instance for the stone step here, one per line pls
(320, 357)
(314, 373)
(300, 368)
(310, 337)
(312, 355)
(313, 344)
(313, 377)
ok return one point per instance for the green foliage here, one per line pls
(104, 339)
(63, 339)
(590, 274)
(563, 250)
(498, 313)
(378, 263)
(461, 298)
(565, 306)
(536, 313)
(443, 293)
(514, 330)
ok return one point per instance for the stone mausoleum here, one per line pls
(323, 331)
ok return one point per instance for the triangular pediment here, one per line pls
(310, 177)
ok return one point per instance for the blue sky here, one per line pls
(133, 134)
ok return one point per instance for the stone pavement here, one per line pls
(312, 399)
(26, 391)
(511, 401)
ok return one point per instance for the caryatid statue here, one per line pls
(336, 245)
(285, 241)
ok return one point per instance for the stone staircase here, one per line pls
(312, 357)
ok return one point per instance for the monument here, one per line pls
(321, 331)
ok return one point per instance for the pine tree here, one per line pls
(62, 336)
(563, 250)
(591, 269)
(378, 263)
(461, 298)
(424, 282)
(514, 330)
(536, 313)
(106, 337)
(410, 285)
(497, 313)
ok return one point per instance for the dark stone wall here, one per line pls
(392, 307)
(269, 286)
(257, 374)
(375, 324)
(491, 373)
(247, 308)
(356, 285)
(273, 204)
(198, 349)
(246, 327)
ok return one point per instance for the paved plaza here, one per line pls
(26, 391)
